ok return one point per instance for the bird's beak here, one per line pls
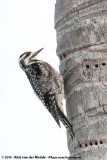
(35, 53)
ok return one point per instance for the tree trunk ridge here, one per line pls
(81, 27)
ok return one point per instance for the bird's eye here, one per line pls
(28, 54)
(25, 53)
(21, 55)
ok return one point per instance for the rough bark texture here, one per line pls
(81, 27)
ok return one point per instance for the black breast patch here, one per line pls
(36, 69)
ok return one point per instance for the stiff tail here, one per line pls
(65, 122)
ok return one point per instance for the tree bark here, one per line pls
(81, 27)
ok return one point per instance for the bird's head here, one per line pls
(28, 58)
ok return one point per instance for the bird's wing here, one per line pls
(50, 75)
(50, 103)
(48, 90)
(43, 89)
(52, 80)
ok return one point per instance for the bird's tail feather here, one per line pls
(55, 116)
(66, 122)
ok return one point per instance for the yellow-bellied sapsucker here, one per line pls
(47, 84)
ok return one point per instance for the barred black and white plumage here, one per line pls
(47, 84)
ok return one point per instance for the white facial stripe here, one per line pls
(28, 59)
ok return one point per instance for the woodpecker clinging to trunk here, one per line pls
(47, 84)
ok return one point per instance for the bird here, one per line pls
(47, 83)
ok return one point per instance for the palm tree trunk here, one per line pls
(81, 27)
